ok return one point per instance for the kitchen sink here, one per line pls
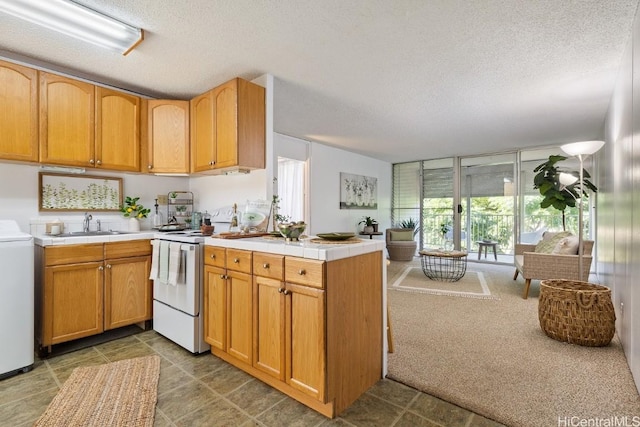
(90, 233)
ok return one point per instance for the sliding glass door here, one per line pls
(488, 204)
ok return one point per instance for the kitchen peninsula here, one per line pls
(304, 317)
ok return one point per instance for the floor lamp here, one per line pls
(581, 150)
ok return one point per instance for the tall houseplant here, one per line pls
(547, 181)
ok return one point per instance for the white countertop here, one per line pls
(46, 240)
(303, 249)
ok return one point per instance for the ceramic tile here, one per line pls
(439, 411)
(118, 344)
(63, 372)
(409, 419)
(160, 420)
(186, 399)
(226, 379)
(172, 377)
(255, 397)
(290, 413)
(26, 384)
(371, 411)
(216, 413)
(396, 393)
(26, 411)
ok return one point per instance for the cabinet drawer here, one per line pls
(73, 254)
(127, 249)
(214, 256)
(239, 260)
(304, 272)
(268, 265)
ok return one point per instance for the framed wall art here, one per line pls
(358, 191)
(60, 192)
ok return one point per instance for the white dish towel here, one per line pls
(163, 260)
(155, 260)
(174, 263)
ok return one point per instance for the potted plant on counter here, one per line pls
(370, 224)
(134, 211)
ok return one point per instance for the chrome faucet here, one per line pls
(87, 220)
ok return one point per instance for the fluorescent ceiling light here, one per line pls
(76, 21)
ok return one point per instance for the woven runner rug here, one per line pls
(120, 394)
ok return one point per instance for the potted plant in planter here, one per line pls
(410, 224)
(368, 224)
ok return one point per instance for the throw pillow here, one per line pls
(404, 236)
(546, 246)
(567, 246)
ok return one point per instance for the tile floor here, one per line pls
(205, 391)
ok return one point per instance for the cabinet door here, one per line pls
(305, 340)
(203, 143)
(167, 136)
(117, 130)
(240, 316)
(269, 326)
(215, 307)
(67, 121)
(72, 302)
(18, 112)
(226, 125)
(128, 291)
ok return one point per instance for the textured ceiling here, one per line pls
(396, 80)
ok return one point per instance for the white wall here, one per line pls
(19, 194)
(618, 216)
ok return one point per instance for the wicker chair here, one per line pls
(541, 266)
(400, 250)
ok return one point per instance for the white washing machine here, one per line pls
(16, 299)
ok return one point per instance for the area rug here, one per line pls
(491, 357)
(471, 285)
(119, 394)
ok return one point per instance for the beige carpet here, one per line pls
(118, 394)
(491, 357)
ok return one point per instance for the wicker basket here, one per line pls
(576, 312)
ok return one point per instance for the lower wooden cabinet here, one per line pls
(127, 290)
(72, 302)
(316, 327)
(84, 290)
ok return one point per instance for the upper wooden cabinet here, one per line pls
(228, 128)
(117, 130)
(67, 121)
(18, 112)
(166, 136)
(88, 126)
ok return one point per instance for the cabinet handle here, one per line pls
(302, 272)
(100, 268)
(211, 163)
(222, 276)
(286, 292)
(212, 256)
(265, 265)
(91, 161)
(280, 290)
(108, 265)
(99, 162)
(150, 167)
(236, 260)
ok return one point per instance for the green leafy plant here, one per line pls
(547, 181)
(444, 229)
(368, 221)
(411, 224)
(131, 208)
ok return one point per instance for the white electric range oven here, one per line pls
(178, 307)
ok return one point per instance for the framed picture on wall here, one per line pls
(60, 192)
(358, 191)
